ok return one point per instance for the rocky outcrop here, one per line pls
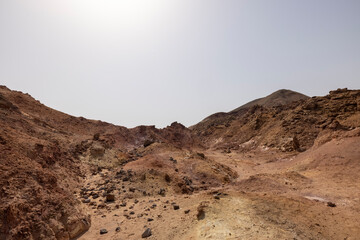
(290, 127)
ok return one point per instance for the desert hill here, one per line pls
(278, 98)
(282, 167)
(293, 126)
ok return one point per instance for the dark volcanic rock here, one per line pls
(110, 198)
(147, 233)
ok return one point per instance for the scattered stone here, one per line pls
(117, 229)
(201, 210)
(176, 207)
(147, 233)
(86, 200)
(201, 214)
(101, 205)
(173, 160)
(162, 192)
(103, 231)
(132, 213)
(331, 204)
(110, 198)
(187, 180)
(167, 178)
(96, 136)
(187, 211)
(132, 189)
(150, 219)
(148, 142)
(153, 206)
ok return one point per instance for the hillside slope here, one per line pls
(44, 157)
(289, 127)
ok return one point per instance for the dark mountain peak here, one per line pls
(280, 97)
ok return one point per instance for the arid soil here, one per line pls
(266, 171)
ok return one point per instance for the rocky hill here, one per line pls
(281, 167)
(278, 98)
(42, 156)
(289, 127)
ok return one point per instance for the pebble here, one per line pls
(147, 233)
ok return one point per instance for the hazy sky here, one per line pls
(152, 62)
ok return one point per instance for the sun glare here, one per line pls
(128, 13)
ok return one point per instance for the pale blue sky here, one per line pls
(133, 62)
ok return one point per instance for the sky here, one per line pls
(153, 62)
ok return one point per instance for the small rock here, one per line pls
(96, 136)
(187, 211)
(147, 233)
(331, 204)
(86, 201)
(150, 219)
(167, 178)
(162, 192)
(176, 207)
(110, 198)
(117, 229)
(103, 231)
